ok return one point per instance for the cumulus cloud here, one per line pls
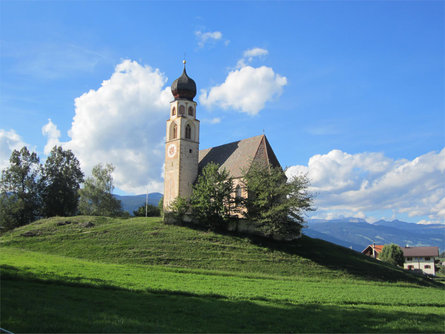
(122, 122)
(371, 181)
(205, 37)
(9, 141)
(246, 90)
(50, 130)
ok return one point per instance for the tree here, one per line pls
(276, 204)
(151, 210)
(177, 210)
(96, 198)
(211, 197)
(392, 254)
(20, 200)
(61, 179)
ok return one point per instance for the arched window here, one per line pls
(238, 192)
(175, 131)
(181, 110)
(188, 132)
(190, 111)
(174, 111)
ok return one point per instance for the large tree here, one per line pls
(276, 204)
(96, 196)
(393, 254)
(19, 190)
(211, 198)
(61, 179)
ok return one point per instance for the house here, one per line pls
(416, 258)
(421, 258)
(373, 250)
(183, 159)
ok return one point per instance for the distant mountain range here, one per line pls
(132, 203)
(357, 233)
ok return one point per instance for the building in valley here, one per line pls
(421, 258)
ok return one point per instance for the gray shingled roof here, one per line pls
(238, 156)
(420, 251)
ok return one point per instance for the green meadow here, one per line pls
(139, 275)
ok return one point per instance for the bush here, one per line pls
(152, 211)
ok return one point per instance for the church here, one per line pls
(183, 159)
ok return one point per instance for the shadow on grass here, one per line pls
(337, 257)
(39, 306)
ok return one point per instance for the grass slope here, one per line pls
(139, 275)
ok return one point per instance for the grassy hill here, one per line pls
(95, 274)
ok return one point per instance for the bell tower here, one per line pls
(182, 141)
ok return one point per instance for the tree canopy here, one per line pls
(61, 178)
(96, 196)
(20, 200)
(392, 254)
(276, 204)
(211, 197)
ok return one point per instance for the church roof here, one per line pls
(238, 156)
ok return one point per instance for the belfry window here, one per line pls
(190, 111)
(175, 131)
(174, 111)
(181, 110)
(188, 132)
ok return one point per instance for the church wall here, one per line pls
(188, 167)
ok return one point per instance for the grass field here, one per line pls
(139, 275)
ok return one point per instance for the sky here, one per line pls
(349, 93)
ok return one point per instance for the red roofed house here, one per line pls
(373, 250)
(420, 258)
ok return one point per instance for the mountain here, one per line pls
(357, 233)
(132, 203)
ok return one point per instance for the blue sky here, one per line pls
(351, 93)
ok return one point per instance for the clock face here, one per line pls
(171, 150)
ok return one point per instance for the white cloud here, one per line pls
(9, 141)
(122, 122)
(371, 182)
(205, 37)
(214, 120)
(50, 130)
(246, 90)
(250, 54)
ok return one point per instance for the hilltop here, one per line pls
(150, 242)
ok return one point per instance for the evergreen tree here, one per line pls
(275, 204)
(211, 197)
(20, 200)
(96, 198)
(61, 182)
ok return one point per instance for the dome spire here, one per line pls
(184, 87)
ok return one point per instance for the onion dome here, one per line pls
(184, 87)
